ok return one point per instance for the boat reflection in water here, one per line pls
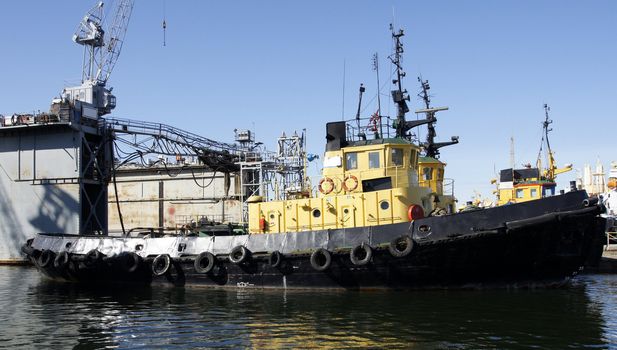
(67, 315)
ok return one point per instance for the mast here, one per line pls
(430, 146)
(550, 170)
(378, 114)
(399, 95)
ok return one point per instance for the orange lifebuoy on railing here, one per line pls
(326, 190)
(353, 186)
(415, 212)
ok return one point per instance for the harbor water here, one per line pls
(36, 313)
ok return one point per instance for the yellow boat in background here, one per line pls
(531, 183)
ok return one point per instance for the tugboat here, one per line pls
(375, 223)
(526, 184)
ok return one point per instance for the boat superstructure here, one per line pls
(531, 183)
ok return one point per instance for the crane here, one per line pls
(102, 46)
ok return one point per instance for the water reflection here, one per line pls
(60, 315)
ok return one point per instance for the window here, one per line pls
(439, 174)
(397, 156)
(351, 160)
(413, 159)
(548, 191)
(427, 173)
(519, 193)
(373, 160)
(534, 192)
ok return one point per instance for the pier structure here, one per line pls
(54, 170)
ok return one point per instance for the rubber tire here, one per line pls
(92, 258)
(62, 260)
(315, 255)
(46, 258)
(26, 249)
(245, 253)
(393, 246)
(275, 259)
(130, 261)
(199, 267)
(367, 258)
(161, 270)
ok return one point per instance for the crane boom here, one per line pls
(113, 46)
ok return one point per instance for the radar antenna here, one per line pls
(430, 146)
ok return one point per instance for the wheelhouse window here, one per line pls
(413, 159)
(520, 193)
(548, 191)
(427, 173)
(439, 174)
(396, 156)
(534, 192)
(351, 160)
(373, 160)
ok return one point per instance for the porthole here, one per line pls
(345, 211)
(424, 229)
(271, 216)
(384, 205)
(316, 213)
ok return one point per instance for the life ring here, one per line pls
(62, 260)
(321, 259)
(361, 254)
(326, 180)
(239, 254)
(401, 246)
(204, 263)
(160, 264)
(275, 258)
(46, 258)
(131, 261)
(354, 185)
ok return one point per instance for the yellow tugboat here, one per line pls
(526, 184)
(381, 219)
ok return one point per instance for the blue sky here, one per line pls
(276, 66)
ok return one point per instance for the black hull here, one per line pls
(504, 246)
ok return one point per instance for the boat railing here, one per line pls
(363, 126)
(32, 119)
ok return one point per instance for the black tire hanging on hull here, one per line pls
(401, 246)
(239, 254)
(321, 259)
(275, 258)
(160, 264)
(204, 263)
(361, 254)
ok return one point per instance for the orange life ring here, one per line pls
(327, 190)
(352, 187)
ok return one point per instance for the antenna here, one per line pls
(378, 114)
(512, 161)
(343, 112)
(164, 25)
(430, 146)
(360, 133)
